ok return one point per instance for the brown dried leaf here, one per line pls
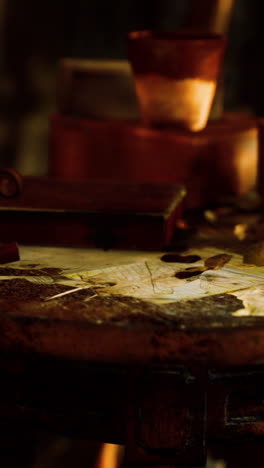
(189, 272)
(217, 261)
(176, 258)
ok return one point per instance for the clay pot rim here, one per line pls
(185, 35)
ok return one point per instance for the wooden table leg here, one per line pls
(166, 420)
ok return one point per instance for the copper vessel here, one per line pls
(176, 76)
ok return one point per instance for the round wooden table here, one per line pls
(117, 363)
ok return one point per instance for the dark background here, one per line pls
(34, 34)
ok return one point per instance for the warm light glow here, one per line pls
(184, 102)
(211, 15)
(239, 162)
(110, 456)
(221, 19)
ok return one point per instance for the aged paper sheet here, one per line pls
(144, 275)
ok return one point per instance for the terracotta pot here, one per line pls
(218, 161)
(225, 164)
(87, 149)
(175, 76)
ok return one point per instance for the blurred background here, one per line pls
(34, 35)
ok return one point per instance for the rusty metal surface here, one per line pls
(115, 328)
(165, 379)
(123, 329)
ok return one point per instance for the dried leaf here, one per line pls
(189, 272)
(217, 261)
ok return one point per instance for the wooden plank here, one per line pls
(65, 212)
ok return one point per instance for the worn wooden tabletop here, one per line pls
(133, 306)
